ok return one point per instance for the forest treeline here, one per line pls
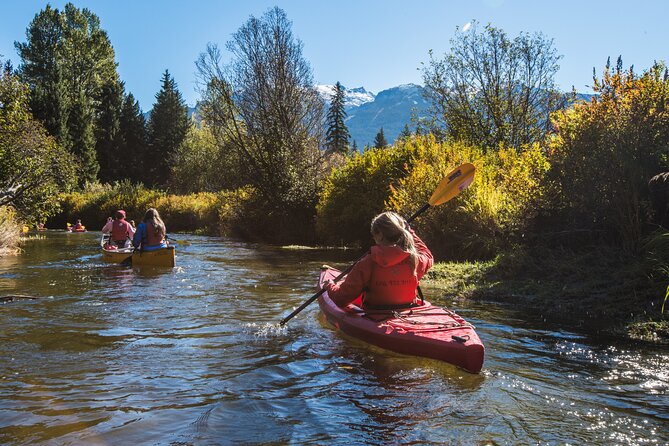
(269, 160)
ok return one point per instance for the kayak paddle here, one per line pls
(452, 184)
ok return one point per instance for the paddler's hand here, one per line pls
(327, 284)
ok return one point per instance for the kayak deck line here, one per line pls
(456, 323)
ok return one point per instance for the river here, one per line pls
(114, 355)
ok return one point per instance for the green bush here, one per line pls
(355, 192)
(494, 212)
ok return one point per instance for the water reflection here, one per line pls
(110, 354)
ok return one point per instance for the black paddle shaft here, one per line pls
(425, 207)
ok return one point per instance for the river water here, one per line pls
(115, 355)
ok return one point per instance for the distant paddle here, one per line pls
(454, 183)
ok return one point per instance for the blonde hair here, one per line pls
(395, 230)
(152, 219)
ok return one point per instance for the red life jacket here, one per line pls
(153, 237)
(393, 281)
(120, 230)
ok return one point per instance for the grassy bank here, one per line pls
(599, 289)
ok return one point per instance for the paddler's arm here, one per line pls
(347, 290)
(425, 258)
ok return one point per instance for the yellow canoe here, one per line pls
(114, 255)
(159, 257)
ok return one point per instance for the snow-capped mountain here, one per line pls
(391, 110)
(354, 97)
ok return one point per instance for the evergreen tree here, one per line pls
(41, 70)
(354, 149)
(380, 140)
(337, 135)
(108, 138)
(80, 125)
(405, 133)
(168, 126)
(132, 127)
(66, 61)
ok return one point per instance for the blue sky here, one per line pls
(377, 44)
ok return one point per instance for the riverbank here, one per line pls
(597, 290)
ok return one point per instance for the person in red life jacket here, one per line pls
(390, 273)
(119, 229)
(78, 226)
(151, 232)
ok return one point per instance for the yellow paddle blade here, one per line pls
(454, 183)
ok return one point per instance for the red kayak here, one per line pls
(423, 330)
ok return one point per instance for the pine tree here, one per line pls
(405, 133)
(132, 127)
(337, 135)
(66, 61)
(168, 126)
(108, 138)
(380, 140)
(80, 125)
(42, 71)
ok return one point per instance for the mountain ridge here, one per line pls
(391, 109)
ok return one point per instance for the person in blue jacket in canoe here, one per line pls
(389, 275)
(151, 233)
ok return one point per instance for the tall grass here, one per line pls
(206, 212)
(10, 232)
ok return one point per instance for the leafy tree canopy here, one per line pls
(33, 167)
(491, 90)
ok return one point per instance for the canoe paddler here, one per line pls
(119, 229)
(389, 275)
(151, 232)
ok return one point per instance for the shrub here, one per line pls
(604, 152)
(497, 209)
(227, 213)
(357, 191)
(98, 201)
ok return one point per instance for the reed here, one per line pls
(10, 232)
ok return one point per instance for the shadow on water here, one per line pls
(109, 354)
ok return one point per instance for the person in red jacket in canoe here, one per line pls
(121, 232)
(389, 275)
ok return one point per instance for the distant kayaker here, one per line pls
(121, 231)
(151, 232)
(389, 275)
(78, 226)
